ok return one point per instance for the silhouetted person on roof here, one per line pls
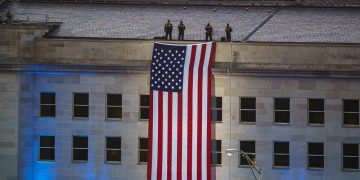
(8, 16)
(208, 32)
(168, 30)
(228, 31)
(181, 28)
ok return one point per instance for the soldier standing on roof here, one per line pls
(8, 16)
(208, 32)
(228, 31)
(181, 28)
(168, 30)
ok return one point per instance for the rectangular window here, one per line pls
(350, 157)
(215, 152)
(113, 149)
(143, 150)
(282, 110)
(351, 112)
(113, 106)
(281, 154)
(316, 155)
(247, 109)
(316, 111)
(47, 148)
(249, 148)
(80, 148)
(47, 104)
(144, 107)
(216, 109)
(81, 105)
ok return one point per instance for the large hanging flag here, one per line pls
(180, 115)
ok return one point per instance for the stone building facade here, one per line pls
(264, 72)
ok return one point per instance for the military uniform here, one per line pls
(181, 28)
(168, 30)
(228, 31)
(208, 32)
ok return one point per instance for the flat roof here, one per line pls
(263, 24)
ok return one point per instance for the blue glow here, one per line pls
(46, 118)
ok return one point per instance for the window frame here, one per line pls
(40, 105)
(140, 107)
(106, 149)
(216, 108)
(72, 150)
(143, 150)
(216, 152)
(240, 109)
(342, 158)
(47, 160)
(274, 112)
(315, 155)
(107, 106)
(243, 165)
(343, 115)
(309, 111)
(79, 105)
(273, 149)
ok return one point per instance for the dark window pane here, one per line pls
(216, 115)
(248, 103)
(351, 118)
(316, 148)
(114, 112)
(281, 160)
(351, 105)
(113, 142)
(316, 117)
(248, 115)
(316, 104)
(282, 116)
(47, 154)
(216, 158)
(81, 111)
(218, 145)
(47, 110)
(81, 98)
(143, 156)
(351, 163)
(316, 161)
(113, 155)
(282, 103)
(247, 146)
(80, 154)
(144, 100)
(243, 160)
(144, 114)
(350, 149)
(114, 99)
(218, 102)
(143, 143)
(47, 141)
(47, 98)
(80, 142)
(215, 145)
(281, 147)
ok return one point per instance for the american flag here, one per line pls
(180, 116)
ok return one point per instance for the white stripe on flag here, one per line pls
(155, 136)
(165, 135)
(185, 113)
(204, 112)
(174, 135)
(195, 110)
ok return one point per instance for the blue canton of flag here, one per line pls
(167, 68)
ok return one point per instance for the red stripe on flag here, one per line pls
(169, 136)
(199, 128)
(160, 136)
(179, 144)
(190, 112)
(150, 136)
(209, 113)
